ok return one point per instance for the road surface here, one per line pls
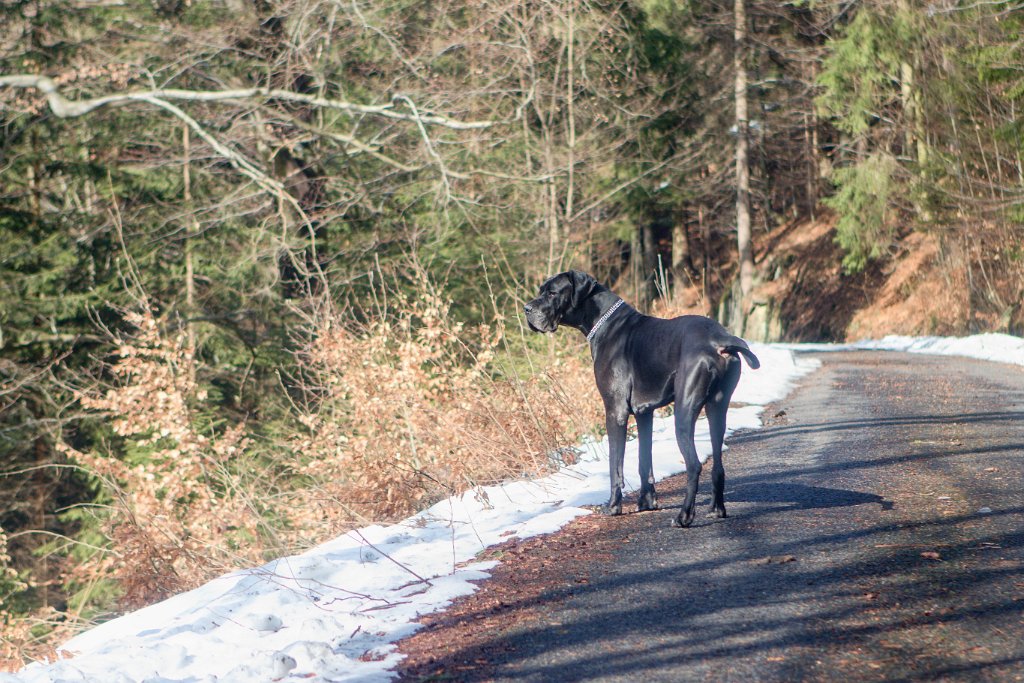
(876, 532)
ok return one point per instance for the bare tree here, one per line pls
(743, 233)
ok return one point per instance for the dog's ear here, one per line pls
(583, 285)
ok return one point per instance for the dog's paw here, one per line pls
(612, 510)
(647, 502)
(614, 505)
(681, 522)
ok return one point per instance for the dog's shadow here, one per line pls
(782, 497)
(802, 497)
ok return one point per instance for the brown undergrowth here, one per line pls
(412, 405)
(394, 408)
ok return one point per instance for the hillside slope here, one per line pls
(803, 294)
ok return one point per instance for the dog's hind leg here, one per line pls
(716, 423)
(692, 385)
(716, 408)
(645, 436)
(615, 423)
(686, 417)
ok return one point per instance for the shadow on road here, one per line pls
(992, 418)
(710, 612)
(801, 496)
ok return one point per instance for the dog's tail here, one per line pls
(730, 346)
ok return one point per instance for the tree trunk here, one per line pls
(570, 94)
(743, 237)
(649, 263)
(636, 268)
(705, 236)
(915, 146)
(682, 264)
(191, 232)
(811, 140)
(907, 100)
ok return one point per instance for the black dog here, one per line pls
(642, 363)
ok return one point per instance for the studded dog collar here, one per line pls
(604, 318)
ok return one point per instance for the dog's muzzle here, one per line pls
(537, 321)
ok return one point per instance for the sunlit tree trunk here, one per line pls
(681, 261)
(191, 232)
(746, 253)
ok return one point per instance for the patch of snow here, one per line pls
(1001, 348)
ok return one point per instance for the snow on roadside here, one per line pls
(334, 612)
(1001, 348)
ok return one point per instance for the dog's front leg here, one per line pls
(615, 423)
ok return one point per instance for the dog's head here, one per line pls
(558, 298)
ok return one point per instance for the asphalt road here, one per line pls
(876, 532)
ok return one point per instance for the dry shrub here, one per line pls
(400, 408)
(411, 406)
(25, 636)
(13, 633)
(176, 511)
(33, 637)
(685, 300)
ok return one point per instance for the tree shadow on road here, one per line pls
(994, 418)
(714, 616)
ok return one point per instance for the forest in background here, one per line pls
(263, 260)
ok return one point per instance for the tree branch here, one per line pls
(244, 166)
(65, 108)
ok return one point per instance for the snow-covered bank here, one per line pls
(334, 612)
(1001, 348)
